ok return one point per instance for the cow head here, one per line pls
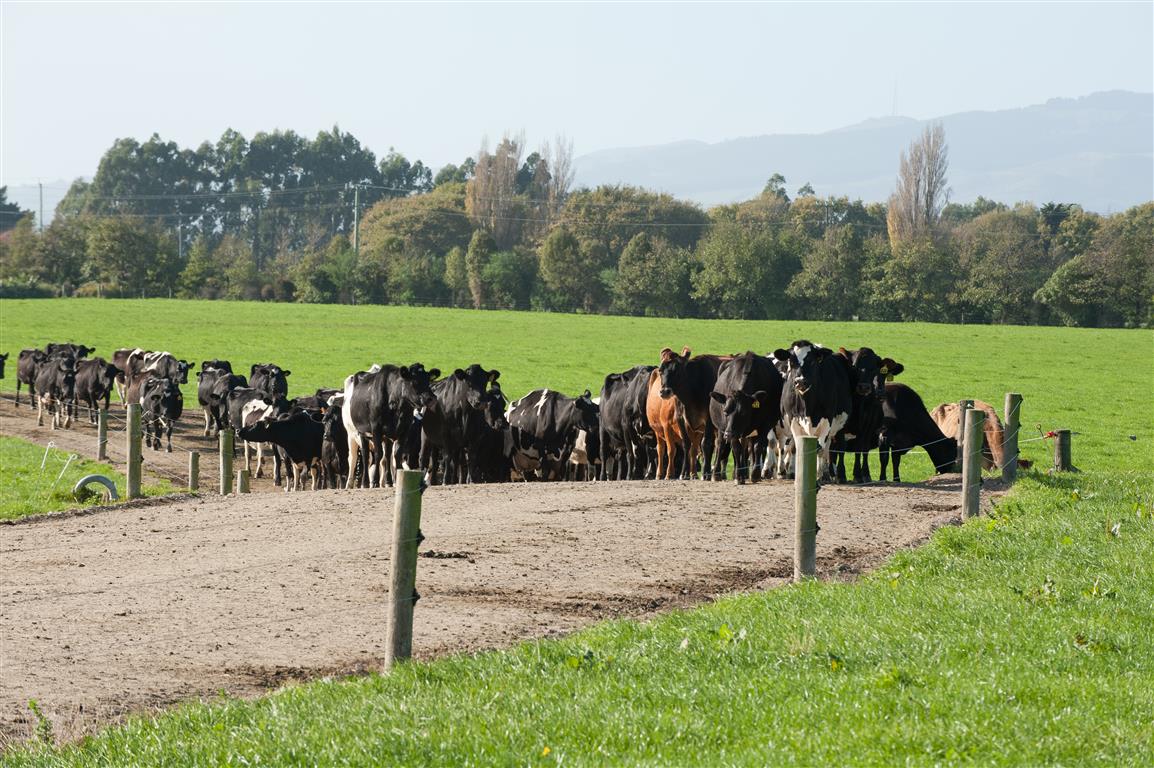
(673, 370)
(738, 411)
(802, 363)
(220, 365)
(588, 412)
(477, 381)
(869, 372)
(182, 367)
(419, 392)
(66, 378)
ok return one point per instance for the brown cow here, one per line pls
(947, 417)
(666, 419)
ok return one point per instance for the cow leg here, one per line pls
(207, 422)
(40, 414)
(168, 434)
(661, 449)
(353, 448)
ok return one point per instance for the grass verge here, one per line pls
(1021, 638)
(38, 479)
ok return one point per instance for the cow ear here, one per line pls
(587, 395)
(780, 354)
(891, 368)
(685, 353)
(287, 373)
(434, 374)
(760, 397)
(459, 373)
(252, 371)
(405, 372)
(718, 397)
(494, 375)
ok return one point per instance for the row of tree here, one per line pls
(284, 219)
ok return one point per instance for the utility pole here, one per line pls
(357, 221)
(41, 219)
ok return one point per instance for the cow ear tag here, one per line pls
(756, 404)
(889, 377)
(885, 370)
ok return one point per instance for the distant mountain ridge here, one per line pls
(1097, 150)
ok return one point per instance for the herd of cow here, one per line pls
(682, 418)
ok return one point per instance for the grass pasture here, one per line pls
(1020, 638)
(38, 479)
(322, 344)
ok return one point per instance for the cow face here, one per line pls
(66, 379)
(495, 405)
(182, 367)
(673, 370)
(478, 381)
(870, 372)
(588, 412)
(803, 361)
(739, 409)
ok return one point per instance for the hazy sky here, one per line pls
(432, 79)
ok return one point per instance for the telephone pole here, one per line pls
(357, 221)
(41, 219)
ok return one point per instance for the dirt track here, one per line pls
(135, 608)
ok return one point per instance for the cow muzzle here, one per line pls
(863, 389)
(665, 393)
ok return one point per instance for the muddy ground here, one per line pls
(130, 609)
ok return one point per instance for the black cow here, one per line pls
(869, 373)
(161, 405)
(453, 424)
(378, 411)
(95, 380)
(55, 390)
(544, 427)
(269, 378)
(906, 423)
(334, 448)
(218, 399)
(624, 423)
(3, 360)
(211, 371)
(75, 351)
(691, 381)
(816, 398)
(301, 435)
(746, 401)
(26, 363)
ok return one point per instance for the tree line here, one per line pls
(284, 218)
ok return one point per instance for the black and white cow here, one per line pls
(218, 399)
(95, 380)
(161, 405)
(26, 363)
(544, 426)
(55, 390)
(816, 396)
(906, 423)
(210, 372)
(745, 410)
(624, 423)
(247, 406)
(378, 410)
(869, 373)
(300, 434)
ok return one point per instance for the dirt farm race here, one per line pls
(133, 607)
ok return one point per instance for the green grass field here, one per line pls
(39, 479)
(1021, 638)
(1080, 379)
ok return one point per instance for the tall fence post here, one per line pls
(102, 434)
(242, 481)
(403, 578)
(225, 462)
(1062, 460)
(805, 508)
(1010, 437)
(133, 450)
(194, 471)
(963, 407)
(972, 463)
